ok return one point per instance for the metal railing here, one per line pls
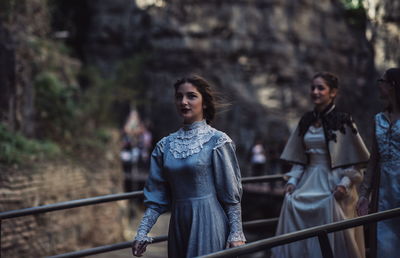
(319, 231)
(123, 245)
(258, 179)
(111, 198)
(69, 204)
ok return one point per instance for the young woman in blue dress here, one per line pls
(382, 178)
(194, 174)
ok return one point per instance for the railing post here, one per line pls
(326, 249)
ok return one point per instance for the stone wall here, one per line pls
(7, 74)
(20, 24)
(260, 54)
(384, 32)
(27, 48)
(68, 230)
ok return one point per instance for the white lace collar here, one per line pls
(190, 139)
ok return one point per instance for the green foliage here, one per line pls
(102, 95)
(97, 141)
(15, 148)
(103, 135)
(97, 97)
(355, 13)
(74, 116)
(55, 105)
(353, 4)
(127, 75)
(73, 102)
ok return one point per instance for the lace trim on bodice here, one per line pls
(190, 139)
(222, 140)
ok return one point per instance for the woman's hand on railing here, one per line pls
(362, 206)
(139, 247)
(289, 188)
(234, 244)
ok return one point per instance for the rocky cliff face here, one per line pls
(384, 32)
(19, 25)
(259, 54)
(7, 74)
(26, 50)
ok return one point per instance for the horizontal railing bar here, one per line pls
(123, 245)
(102, 199)
(260, 222)
(256, 179)
(105, 248)
(69, 204)
(303, 234)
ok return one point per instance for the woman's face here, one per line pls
(189, 103)
(385, 89)
(321, 94)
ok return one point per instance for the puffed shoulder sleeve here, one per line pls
(226, 171)
(228, 186)
(156, 190)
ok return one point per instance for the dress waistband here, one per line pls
(319, 159)
(208, 196)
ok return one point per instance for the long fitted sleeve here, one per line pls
(234, 213)
(149, 219)
(295, 174)
(228, 185)
(156, 193)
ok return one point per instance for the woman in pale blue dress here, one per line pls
(382, 178)
(326, 151)
(194, 174)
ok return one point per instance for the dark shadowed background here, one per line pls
(71, 71)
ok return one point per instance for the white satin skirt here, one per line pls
(313, 204)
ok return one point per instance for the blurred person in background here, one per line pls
(382, 178)
(326, 151)
(194, 173)
(258, 158)
(145, 139)
(126, 159)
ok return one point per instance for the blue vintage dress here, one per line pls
(388, 140)
(194, 173)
